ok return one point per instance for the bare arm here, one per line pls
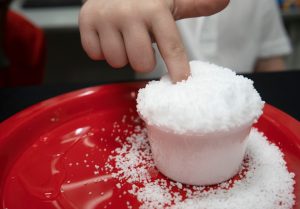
(272, 64)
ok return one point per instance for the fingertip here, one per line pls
(179, 73)
(118, 63)
(144, 67)
(90, 42)
(113, 49)
(88, 34)
(91, 45)
(93, 53)
(96, 57)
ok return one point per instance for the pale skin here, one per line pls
(272, 64)
(122, 31)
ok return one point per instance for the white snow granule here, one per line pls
(212, 98)
(263, 182)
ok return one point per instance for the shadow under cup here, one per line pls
(199, 159)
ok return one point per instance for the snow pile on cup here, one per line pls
(213, 98)
(198, 127)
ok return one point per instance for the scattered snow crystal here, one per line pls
(266, 184)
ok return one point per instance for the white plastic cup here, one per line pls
(199, 159)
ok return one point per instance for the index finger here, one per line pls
(170, 45)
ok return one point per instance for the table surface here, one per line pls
(278, 89)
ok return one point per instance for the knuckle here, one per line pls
(89, 15)
(124, 13)
(125, 10)
(155, 7)
(102, 15)
(174, 49)
(83, 15)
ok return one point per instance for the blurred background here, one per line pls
(65, 60)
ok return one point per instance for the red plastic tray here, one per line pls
(55, 142)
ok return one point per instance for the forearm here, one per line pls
(272, 64)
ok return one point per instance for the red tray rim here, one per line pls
(9, 125)
(282, 118)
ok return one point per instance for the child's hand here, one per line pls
(121, 31)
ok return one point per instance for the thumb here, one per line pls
(196, 8)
